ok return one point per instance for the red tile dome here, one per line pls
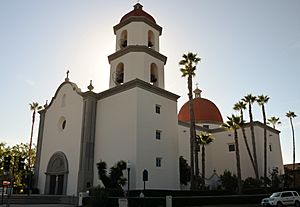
(138, 12)
(205, 112)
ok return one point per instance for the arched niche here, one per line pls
(57, 174)
(63, 100)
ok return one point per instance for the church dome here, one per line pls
(138, 12)
(205, 111)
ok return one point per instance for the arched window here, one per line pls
(150, 39)
(123, 39)
(153, 74)
(120, 73)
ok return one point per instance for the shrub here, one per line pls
(229, 181)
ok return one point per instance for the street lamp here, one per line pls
(128, 177)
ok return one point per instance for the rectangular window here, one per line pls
(270, 147)
(158, 134)
(231, 147)
(157, 109)
(158, 161)
(206, 126)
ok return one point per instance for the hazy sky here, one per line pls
(247, 46)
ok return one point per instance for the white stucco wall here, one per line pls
(126, 125)
(149, 148)
(67, 140)
(115, 137)
(219, 158)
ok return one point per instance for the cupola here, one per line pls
(137, 50)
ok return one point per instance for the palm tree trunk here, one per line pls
(192, 131)
(253, 140)
(238, 162)
(30, 142)
(293, 133)
(265, 144)
(203, 166)
(29, 153)
(247, 147)
(197, 171)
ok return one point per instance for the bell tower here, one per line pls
(137, 50)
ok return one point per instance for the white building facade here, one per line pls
(135, 120)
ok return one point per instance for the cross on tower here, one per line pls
(67, 78)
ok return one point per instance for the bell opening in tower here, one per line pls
(120, 74)
(153, 74)
(123, 39)
(150, 39)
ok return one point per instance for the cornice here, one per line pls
(137, 19)
(139, 84)
(246, 125)
(199, 128)
(137, 48)
(89, 94)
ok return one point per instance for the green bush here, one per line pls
(229, 181)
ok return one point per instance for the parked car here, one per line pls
(284, 198)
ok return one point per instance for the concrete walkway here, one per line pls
(37, 205)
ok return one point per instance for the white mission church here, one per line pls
(135, 120)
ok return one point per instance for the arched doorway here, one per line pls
(57, 174)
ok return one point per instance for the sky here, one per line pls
(245, 47)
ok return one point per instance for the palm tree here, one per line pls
(204, 139)
(262, 100)
(250, 99)
(188, 64)
(34, 107)
(233, 124)
(292, 115)
(273, 121)
(241, 106)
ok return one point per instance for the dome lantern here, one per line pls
(197, 92)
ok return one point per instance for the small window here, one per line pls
(158, 134)
(157, 109)
(62, 123)
(206, 126)
(158, 161)
(231, 147)
(270, 147)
